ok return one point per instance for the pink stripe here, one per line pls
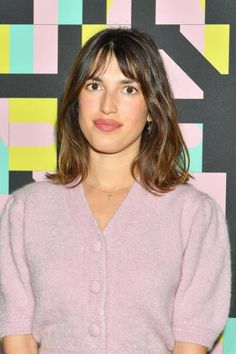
(4, 119)
(179, 12)
(39, 175)
(31, 134)
(195, 35)
(183, 86)
(45, 49)
(212, 183)
(124, 25)
(119, 12)
(192, 134)
(45, 12)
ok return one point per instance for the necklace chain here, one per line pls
(108, 194)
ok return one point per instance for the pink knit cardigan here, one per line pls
(159, 272)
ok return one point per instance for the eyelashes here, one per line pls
(133, 89)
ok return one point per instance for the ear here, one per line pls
(149, 119)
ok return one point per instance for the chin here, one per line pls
(103, 150)
(113, 145)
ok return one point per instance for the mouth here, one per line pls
(107, 125)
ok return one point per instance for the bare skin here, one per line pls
(19, 344)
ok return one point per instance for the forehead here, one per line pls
(101, 63)
(103, 60)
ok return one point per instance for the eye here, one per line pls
(131, 90)
(93, 85)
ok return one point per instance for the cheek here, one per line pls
(135, 112)
(87, 105)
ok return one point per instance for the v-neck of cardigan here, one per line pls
(121, 206)
(126, 213)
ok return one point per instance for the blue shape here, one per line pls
(70, 12)
(4, 168)
(196, 155)
(21, 49)
(195, 159)
(229, 342)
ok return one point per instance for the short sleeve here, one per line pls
(16, 297)
(202, 300)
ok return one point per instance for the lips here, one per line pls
(107, 122)
(107, 125)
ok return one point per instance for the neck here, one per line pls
(109, 171)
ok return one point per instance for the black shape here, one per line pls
(18, 179)
(94, 12)
(16, 12)
(218, 11)
(69, 44)
(143, 14)
(30, 85)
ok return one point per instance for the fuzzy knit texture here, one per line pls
(159, 272)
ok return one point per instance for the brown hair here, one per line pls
(163, 159)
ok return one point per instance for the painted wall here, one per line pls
(38, 41)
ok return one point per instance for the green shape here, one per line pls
(196, 154)
(195, 158)
(229, 342)
(70, 12)
(21, 49)
(4, 171)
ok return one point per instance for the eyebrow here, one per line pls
(124, 81)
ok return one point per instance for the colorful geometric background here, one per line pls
(38, 41)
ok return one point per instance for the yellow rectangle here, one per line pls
(4, 49)
(89, 30)
(217, 46)
(33, 158)
(203, 5)
(30, 110)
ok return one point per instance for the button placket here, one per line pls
(95, 287)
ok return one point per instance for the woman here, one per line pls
(116, 252)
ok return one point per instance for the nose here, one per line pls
(108, 103)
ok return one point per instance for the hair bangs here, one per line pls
(124, 58)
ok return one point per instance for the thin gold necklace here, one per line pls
(108, 194)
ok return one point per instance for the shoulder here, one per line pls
(201, 215)
(37, 191)
(184, 196)
(187, 204)
(196, 202)
(36, 194)
(189, 193)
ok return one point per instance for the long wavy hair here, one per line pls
(163, 159)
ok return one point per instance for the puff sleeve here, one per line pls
(16, 297)
(202, 300)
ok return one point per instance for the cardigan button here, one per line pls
(95, 286)
(97, 246)
(94, 330)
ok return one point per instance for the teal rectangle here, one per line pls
(229, 343)
(70, 12)
(21, 49)
(4, 173)
(196, 155)
(195, 159)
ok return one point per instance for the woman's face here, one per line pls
(107, 98)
